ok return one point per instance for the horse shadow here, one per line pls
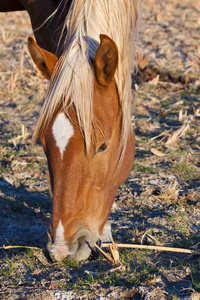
(24, 216)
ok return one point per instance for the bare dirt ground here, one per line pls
(158, 204)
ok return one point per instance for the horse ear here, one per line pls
(106, 60)
(44, 60)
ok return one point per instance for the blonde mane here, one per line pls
(72, 80)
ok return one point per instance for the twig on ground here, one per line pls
(165, 133)
(114, 253)
(143, 236)
(174, 105)
(157, 243)
(105, 254)
(15, 247)
(157, 152)
(119, 268)
(42, 259)
(158, 248)
(178, 133)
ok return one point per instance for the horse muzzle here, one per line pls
(78, 249)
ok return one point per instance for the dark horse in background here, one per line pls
(86, 48)
(47, 33)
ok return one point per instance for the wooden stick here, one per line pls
(106, 272)
(13, 247)
(114, 253)
(158, 248)
(105, 254)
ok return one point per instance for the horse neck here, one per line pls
(47, 19)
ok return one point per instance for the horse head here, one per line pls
(84, 181)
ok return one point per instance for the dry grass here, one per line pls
(178, 133)
(161, 197)
(169, 193)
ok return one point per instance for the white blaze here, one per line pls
(59, 250)
(62, 132)
(60, 234)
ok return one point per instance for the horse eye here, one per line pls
(102, 148)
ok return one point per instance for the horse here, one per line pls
(46, 18)
(84, 124)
